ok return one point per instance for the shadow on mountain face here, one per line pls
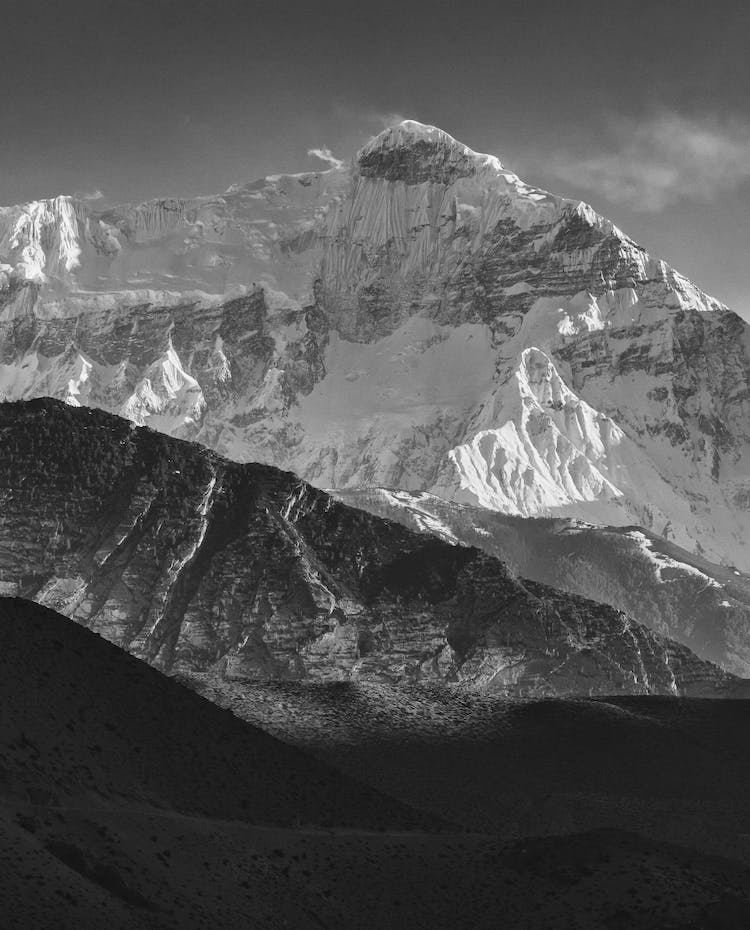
(84, 720)
(130, 802)
(675, 769)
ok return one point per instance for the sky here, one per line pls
(639, 107)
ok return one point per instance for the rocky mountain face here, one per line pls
(195, 563)
(419, 319)
(681, 595)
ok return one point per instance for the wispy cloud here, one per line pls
(89, 195)
(385, 119)
(376, 121)
(370, 116)
(325, 154)
(665, 159)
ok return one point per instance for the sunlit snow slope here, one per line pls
(419, 319)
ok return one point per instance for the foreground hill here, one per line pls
(195, 563)
(127, 801)
(671, 768)
(85, 721)
(681, 595)
(420, 318)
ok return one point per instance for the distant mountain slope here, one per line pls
(679, 594)
(420, 318)
(193, 562)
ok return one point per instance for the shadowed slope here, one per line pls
(673, 769)
(83, 721)
(128, 802)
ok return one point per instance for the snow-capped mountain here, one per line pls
(419, 319)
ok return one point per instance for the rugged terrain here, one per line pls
(679, 594)
(418, 319)
(127, 801)
(418, 713)
(195, 563)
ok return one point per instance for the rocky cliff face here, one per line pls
(196, 563)
(681, 595)
(420, 319)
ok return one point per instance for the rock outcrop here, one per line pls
(196, 563)
(419, 319)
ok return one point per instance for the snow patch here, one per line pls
(40, 239)
(166, 397)
(426, 521)
(662, 562)
(552, 450)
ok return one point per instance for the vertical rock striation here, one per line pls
(195, 563)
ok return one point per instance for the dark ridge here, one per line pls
(82, 719)
(193, 562)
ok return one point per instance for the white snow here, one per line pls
(662, 561)
(40, 239)
(421, 365)
(166, 397)
(425, 520)
(547, 450)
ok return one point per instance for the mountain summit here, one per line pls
(420, 319)
(414, 153)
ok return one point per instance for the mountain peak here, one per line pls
(416, 152)
(410, 131)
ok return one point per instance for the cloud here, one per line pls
(89, 195)
(325, 154)
(378, 119)
(374, 120)
(384, 120)
(665, 159)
